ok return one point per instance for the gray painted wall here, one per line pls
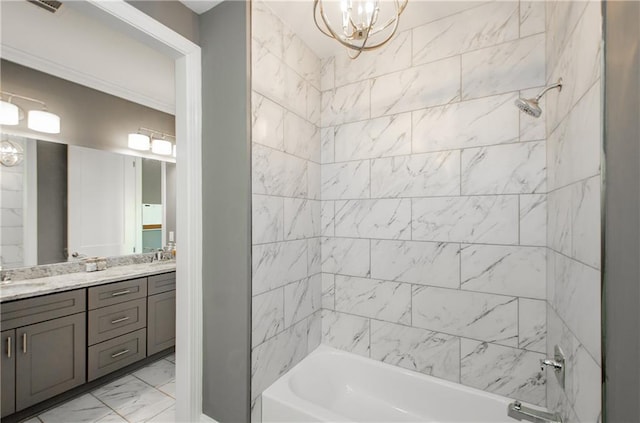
(173, 14)
(52, 202)
(89, 118)
(151, 181)
(226, 196)
(622, 212)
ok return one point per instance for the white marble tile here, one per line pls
(532, 128)
(485, 219)
(510, 66)
(328, 291)
(517, 271)
(11, 181)
(266, 28)
(171, 357)
(415, 88)
(11, 217)
(418, 175)
(167, 416)
(327, 73)
(301, 299)
(579, 64)
(491, 318)
(416, 349)
(267, 312)
(466, 124)
(577, 299)
(349, 180)
(327, 145)
(532, 325)
(348, 103)
(483, 26)
(314, 331)
(327, 215)
(301, 138)
(383, 300)
(267, 122)
(314, 256)
(313, 180)
(314, 105)
(347, 256)
(277, 173)
(85, 408)
(297, 218)
(267, 219)
(559, 229)
(532, 17)
(114, 417)
(587, 382)
(562, 18)
(157, 373)
(256, 410)
(301, 58)
(295, 92)
(509, 372)
(586, 221)
(574, 147)
(133, 399)
(273, 358)
(169, 388)
(35, 420)
(533, 219)
(394, 56)
(268, 75)
(381, 137)
(275, 265)
(424, 263)
(388, 219)
(345, 332)
(504, 169)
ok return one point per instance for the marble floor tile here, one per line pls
(169, 388)
(167, 416)
(86, 408)
(171, 358)
(157, 373)
(33, 420)
(112, 417)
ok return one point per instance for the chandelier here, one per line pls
(361, 29)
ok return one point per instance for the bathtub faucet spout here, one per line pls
(519, 412)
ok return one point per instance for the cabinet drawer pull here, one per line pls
(119, 354)
(9, 347)
(24, 343)
(122, 319)
(124, 292)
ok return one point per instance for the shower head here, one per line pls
(531, 106)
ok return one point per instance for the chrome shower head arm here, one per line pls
(557, 85)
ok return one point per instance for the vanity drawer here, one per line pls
(116, 293)
(162, 283)
(45, 307)
(118, 319)
(116, 353)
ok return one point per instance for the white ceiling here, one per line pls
(200, 6)
(298, 15)
(74, 46)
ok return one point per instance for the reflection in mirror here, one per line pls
(66, 202)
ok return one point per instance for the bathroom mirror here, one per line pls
(66, 202)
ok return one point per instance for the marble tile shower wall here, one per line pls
(287, 282)
(574, 128)
(433, 209)
(12, 210)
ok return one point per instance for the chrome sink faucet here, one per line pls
(519, 412)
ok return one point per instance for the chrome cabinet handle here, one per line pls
(117, 294)
(122, 319)
(24, 343)
(9, 347)
(119, 354)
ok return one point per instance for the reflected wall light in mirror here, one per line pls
(11, 154)
(156, 142)
(37, 120)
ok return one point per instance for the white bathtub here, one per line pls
(335, 386)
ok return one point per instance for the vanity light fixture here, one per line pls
(37, 120)
(156, 141)
(359, 29)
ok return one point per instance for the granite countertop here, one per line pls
(26, 288)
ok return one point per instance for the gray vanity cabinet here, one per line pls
(51, 359)
(161, 313)
(8, 370)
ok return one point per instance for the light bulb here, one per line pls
(42, 121)
(139, 142)
(9, 113)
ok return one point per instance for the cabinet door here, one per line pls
(8, 370)
(161, 323)
(51, 359)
